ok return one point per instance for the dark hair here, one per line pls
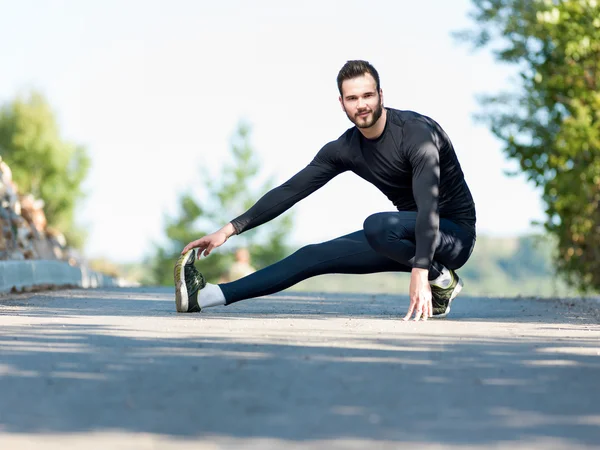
(356, 68)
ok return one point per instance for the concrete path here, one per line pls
(119, 369)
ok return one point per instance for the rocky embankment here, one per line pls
(32, 254)
(24, 231)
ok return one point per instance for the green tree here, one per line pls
(223, 198)
(42, 163)
(550, 122)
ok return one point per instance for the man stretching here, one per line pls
(411, 160)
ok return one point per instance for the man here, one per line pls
(411, 160)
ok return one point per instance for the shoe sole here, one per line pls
(181, 293)
(455, 292)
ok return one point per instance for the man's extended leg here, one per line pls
(349, 254)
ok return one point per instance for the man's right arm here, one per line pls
(323, 168)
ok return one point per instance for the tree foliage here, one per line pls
(224, 197)
(42, 163)
(550, 122)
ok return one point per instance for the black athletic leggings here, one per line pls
(385, 244)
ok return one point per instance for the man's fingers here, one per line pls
(194, 244)
(426, 311)
(411, 308)
(422, 311)
(419, 313)
(208, 249)
(188, 247)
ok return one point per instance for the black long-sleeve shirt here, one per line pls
(412, 162)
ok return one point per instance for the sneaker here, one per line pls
(188, 282)
(442, 297)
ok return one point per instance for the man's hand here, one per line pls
(420, 296)
(206, 244)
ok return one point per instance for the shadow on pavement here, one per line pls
(60, 377)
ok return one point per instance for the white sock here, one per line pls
(210, 295)
(443, 280)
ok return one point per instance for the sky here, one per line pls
(155, 89)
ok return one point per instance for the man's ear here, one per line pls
(342, 103)
(381, 97)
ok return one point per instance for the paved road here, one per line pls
(119, 369)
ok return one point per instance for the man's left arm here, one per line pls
(424, 158)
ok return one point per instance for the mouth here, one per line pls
(363, 114)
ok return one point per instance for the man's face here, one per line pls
(361, 102)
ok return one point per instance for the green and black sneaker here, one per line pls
(442, 297)
(188, 282)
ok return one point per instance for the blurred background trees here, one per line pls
(43, 163)
(222, 198)
(550, 121)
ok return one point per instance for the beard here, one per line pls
(368, 121)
